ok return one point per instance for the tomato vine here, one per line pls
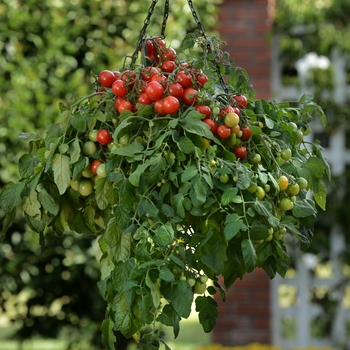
(175, 203)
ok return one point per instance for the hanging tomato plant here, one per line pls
(182, 175)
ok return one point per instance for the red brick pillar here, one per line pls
(244, 25)
(244, 317)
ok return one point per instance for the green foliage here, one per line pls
(165, 221)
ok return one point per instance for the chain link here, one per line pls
(165, 18)
(142, 33)
(214, 61)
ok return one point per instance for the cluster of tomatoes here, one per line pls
(171, 85)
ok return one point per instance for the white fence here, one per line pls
(295, 316)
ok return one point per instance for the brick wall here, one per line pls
(245, 315)
(244, 25)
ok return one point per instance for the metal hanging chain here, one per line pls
(214, 61)
(142, 33)
(165, 18)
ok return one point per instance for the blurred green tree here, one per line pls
(49, 51)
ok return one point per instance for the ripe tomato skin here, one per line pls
(104, 137)
(246, 133)
(240, 152)
(94, 165)
(213, 126)
(241, 101)
(169, 54)
(171, 105)
(160, 42)
(129, 76)
(223, 131)
(185, 79)
(205, 110)
(154, 90)
(158, 107)
(189, 96)
(202, 79)
(168, 66)
(150, 47)
(227, 110)
(106, 78)
(118, 88)
(124, 105)
(144, 99)
(176, 90)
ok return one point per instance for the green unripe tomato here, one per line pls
(101, 170)
(302, 183)
(260, 193)
(191, 281)
(124, 140)
(86, 187)
(300, 137)
(87, 173)
(286, 154)
(293, 189)
(199, 287)
(252, 188)
(93, 135)
(286, 204)
(224, 178)
(204, 278)
(74, 185)
(89, 148)
(256, 158)
(183, 278)
(267, 188)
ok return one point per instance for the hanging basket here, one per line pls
(182, 174)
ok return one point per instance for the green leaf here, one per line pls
(129, 150)
(31, 205)
(193, 124)
(78, 121)
(263, 208)
(7, 222)
(104, 193)
(147, 208)
(178, 200)
(170, 318)
(186, 145)
(258, 231)
(122, 216)
(134, 177)
(75, 151)
(320, 194)
(302, 209)
(108, 337)
(233, 224)
(198, 193)
(117, 241)
(10, 195)
(249, 255)
(79, 166)
(166, 275)
(182, 299)
(27, 164)
(189, 173)
(48, 202)
(61, 172)
(229, 195)
(206, 307)
(125, 315)
(164, 235)
(216, 256)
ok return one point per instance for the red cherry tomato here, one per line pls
(246, 133)
(213, 126)
(240, 152)
(224, 131)
(202, 79)
(160, 42)
(106, 78)
(176, 90)
(144, 99)
(169, 54)
(154, 90)
(148, 72)
(103, 137)
(150, 50)
(94, 165)
(160, 78)
(158, 107)
(168, 66)
(118, 88)
(185, 79)
(124, 105)
(129, 76)
(189, 96)
(241, 101)
(227, 110)
(171, 105)
(205, 110)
